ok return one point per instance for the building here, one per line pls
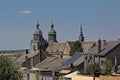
(102, 51)
(41, 48)
(37, 52)
(50, 56)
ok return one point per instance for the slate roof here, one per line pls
(58, 48)
(50, 63)
(86, 45)
(29, 55)
(105, 49)
(109, 47)
(74, 59)
(55, 47)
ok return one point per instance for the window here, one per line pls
(88, 61)
(90, 57)
(34, 47)
(102, 62)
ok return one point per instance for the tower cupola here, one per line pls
(37, 30)
(37, 34)
(38, 42)
(52, 34)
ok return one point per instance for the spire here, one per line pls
(81, 37)
(81, 28)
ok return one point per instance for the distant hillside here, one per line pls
(12, 51)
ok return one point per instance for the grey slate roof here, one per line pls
(86, 45)
(55, 47)
(108, 47)
(50, 63)
(37, 31)
(29, 55)
(73, 60)
(58, 48)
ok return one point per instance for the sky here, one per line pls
(99, 18)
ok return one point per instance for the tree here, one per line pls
(8, 71)
(93, 69)
(77, 47)
(107, 67)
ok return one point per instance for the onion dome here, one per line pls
(52, 31)
(37, 30)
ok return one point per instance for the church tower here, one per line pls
(38, 42)
(52, 34)
(81, 37)
(37, 34)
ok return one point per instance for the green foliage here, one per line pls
(76, 48)
(93, 69)
(8, 71)
(107, 67)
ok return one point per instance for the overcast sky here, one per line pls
(100, 19)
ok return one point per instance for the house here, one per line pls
(102, 51)
(73, 63)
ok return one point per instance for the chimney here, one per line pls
(104, 42)
(26, 60)
(26, 51)
(99, 45)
